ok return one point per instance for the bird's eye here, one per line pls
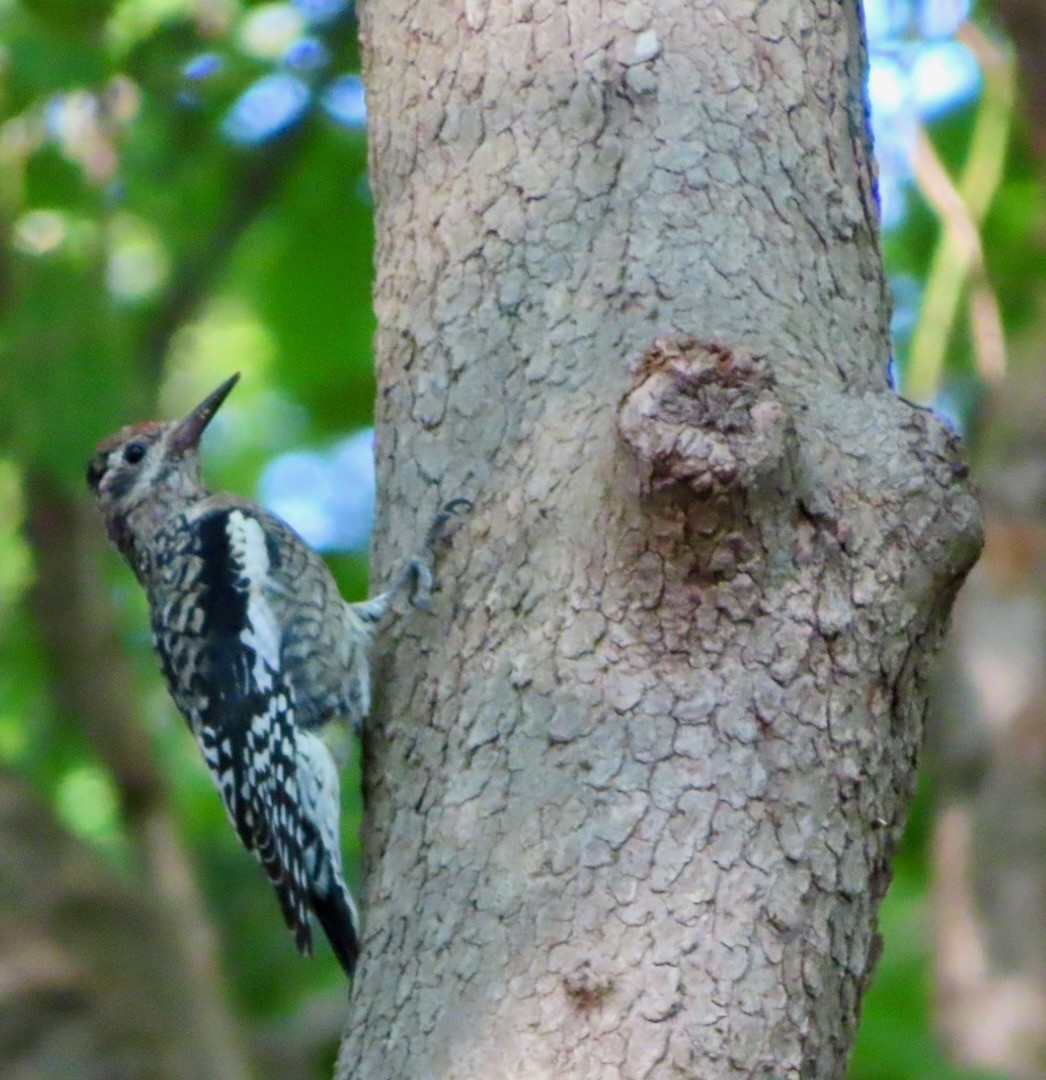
(134, 453)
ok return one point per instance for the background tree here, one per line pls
(988, 741)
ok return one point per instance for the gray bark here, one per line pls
(634, 789)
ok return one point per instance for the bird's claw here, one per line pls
(451, 513)
(421, 585)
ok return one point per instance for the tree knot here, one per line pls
(705, 416)
(585, 989)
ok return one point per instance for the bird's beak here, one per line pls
(187, 434)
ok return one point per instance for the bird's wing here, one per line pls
(246, 716)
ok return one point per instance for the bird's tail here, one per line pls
(337, 915)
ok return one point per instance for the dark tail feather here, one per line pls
(292, 899)
(336, 916)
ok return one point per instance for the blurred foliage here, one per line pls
(895, 1039)
(145, 256)
(151, 242)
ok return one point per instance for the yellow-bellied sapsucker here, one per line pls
(263, 657)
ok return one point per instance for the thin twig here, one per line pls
(963, 206)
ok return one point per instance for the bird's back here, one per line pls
(285, 589)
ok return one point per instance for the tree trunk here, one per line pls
(93, 686)
(91, 985)
(989, 850)
(634, 789)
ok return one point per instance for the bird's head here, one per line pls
(151, 463)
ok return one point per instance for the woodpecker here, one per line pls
(262, 656)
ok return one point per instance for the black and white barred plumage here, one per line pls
(261, 654)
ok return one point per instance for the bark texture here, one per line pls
(636, 784)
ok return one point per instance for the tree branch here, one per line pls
(92, 681)
(261, 178)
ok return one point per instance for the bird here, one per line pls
(263, 657)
